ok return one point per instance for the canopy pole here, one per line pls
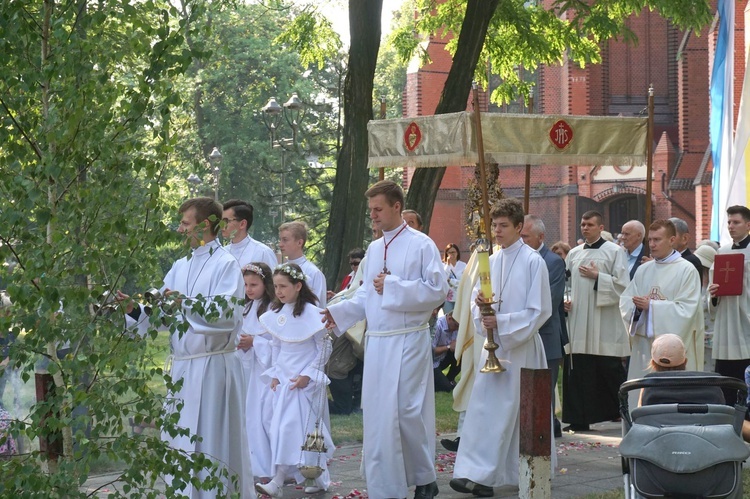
(649, 156)
(381, 170)
(482, 168)
(527, 184)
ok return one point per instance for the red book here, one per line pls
(729, 273)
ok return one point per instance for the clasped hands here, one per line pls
(641, 302)
(589, 271)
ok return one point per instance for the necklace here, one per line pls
(195, 281)
(505, 281)
(385, 252)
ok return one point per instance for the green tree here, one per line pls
(254, 60)
(515, 33)
(86, 152)
(346, 223)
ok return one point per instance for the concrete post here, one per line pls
(535, 465)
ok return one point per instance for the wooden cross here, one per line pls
(727, 269)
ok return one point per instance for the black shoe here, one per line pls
(577, 427)
(468, 487)
(451, 445)
(426, 491)
(557, 429)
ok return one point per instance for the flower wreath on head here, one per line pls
(254, 269)
(293, 273)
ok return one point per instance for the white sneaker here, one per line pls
(314, 489)
(269, 489)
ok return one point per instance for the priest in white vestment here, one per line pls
(292, 240)
(731, 346)
(236, 221)
(663, 297)
(488, 455)
(403, 282)
(593, 372)
(204, 356)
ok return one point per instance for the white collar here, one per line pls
(672, 257)
(514, 247)
(394, 231)
(286, 327)
(299, 261)
(247, 240)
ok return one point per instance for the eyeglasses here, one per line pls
(227, 220)
(354, 263)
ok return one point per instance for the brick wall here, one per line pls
(617, 86)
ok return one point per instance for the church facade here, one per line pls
(677, 64)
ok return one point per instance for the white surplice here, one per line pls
(732, 323)
(259, 408)
(249, 250)
(595, 323)
(489, 455)
(677, 310)
(300, 347)
(205, 359)
(314, 278)
(398, 398)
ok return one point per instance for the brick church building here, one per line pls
(678, 64)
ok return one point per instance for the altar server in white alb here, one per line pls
(731, 348)
(204, 357)
(663, 297)
(489, 452)
(236, 222)
(254, 349)
(593, 373)
(301, 348)
(404, 282)
(292, 240)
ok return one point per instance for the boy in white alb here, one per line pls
(520, 285)
(204, 356)
(403, 282)
(236, 221)
(292, 240)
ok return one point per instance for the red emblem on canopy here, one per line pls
(412, 136)
(561, 134)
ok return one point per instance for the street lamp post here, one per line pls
(215, 159)
(194, 181)
(292, 112)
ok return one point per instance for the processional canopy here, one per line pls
(509, 139)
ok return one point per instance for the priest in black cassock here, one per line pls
(594, 371)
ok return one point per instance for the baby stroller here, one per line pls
(683, 450)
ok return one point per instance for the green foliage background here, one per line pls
(107, 107)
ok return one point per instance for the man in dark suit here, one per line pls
(551, 332)
(681, 244)
(633, 233)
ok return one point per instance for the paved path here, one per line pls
(586, 463)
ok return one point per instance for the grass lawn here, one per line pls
(348, 429)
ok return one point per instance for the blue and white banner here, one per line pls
(721, 124)
(739, 180)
